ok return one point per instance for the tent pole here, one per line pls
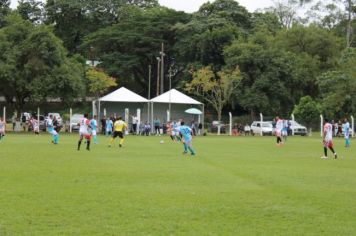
(203, 118)
(152, 117)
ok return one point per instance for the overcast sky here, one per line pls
(193, 5)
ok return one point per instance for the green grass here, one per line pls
(234, 186)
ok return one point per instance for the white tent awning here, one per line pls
(123, 95)
(175, 97)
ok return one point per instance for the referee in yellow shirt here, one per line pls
(119, 129)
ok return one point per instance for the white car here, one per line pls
(264, 128)
(74, 120)
(298, 129)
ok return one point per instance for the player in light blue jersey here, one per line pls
(346, 130)
(51, 130)
(108, 127)
(186, 134)
(93, 127)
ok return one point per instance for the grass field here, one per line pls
(234, 186)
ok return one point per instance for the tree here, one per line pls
(98, 82)
(34, 66)
(4, 10)
(127, 48)
(72, 20)
(215, 89)
(31, 10)
(338, 87)
(307, 111)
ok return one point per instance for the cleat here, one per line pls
(335, 155)
(120, 145)
(184, 153)
(324, 157)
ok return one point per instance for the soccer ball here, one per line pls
(161, 142)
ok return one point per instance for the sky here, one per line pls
(193, 5)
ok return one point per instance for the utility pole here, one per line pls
(162, 68)
(149, 92)
(349, 26)
(158, 72)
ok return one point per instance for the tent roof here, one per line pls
(174, 96)
(123, 95)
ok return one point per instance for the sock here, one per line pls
(185, 147)
(191, 150)
(332, 149)
(122, 141)
(56, 137)
(88, 145)
(172, 137)
(94, 139)
(111, 140)
(325, 152)
(79, 143)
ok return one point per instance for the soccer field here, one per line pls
(233, 186)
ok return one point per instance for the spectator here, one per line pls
(247, 130)
(147, 128)
(103, 125)
(134, 124)
(194, 130)
(157, 124)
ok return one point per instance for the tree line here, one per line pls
(273, 61)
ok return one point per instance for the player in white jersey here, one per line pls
(51, 130)
(328, 139)
(2, 129)
(84, 132)
(279, 128)
(35, 125)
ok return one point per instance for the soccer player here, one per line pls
(346, 129)
(83, 132)
(108, 126)
(35, 125)
(187, 138)
(119, 129)
(328, 139)
(93, 127)
(2, 128)
(50, 129)
(279, 128)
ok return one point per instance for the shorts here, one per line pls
(53, 132)
(328, 143)
(86, 135)
(278, 133)
(93, 132)
(118, 133)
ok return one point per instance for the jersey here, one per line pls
(108, 125)
(119, 126)
(186, 133)
(50, 126)
(279, 125)
(93, 124)
(328, 132)
(34, 124)
(83, 126)
(347, 130)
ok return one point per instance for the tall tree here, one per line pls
(215, 88)
(4, 10)
(31, 10)
(34, 66)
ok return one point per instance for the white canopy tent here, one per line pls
(178, 102)
(121, 100)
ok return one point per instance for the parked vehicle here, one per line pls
(298, 129)
(214, 127)
(73, 122)
(265, 127)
